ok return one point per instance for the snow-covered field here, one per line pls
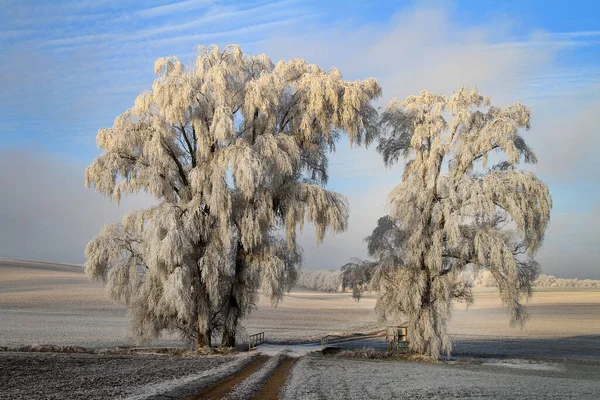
(557, 354)
(323, 377)
(52, 303)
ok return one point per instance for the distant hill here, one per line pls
(44, 265)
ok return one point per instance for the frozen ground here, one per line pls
(557, 354)
(52, 303)
(87, 376)
(326, 377)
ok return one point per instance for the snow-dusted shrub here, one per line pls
(358, 277)
(368, 353)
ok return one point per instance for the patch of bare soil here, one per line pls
(221, 389)
(92, 376)
(273, 386)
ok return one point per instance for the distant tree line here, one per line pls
(320, 280)
(485, 279)
(333, 281)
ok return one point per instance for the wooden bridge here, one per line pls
(396, 340)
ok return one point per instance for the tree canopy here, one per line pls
(234, 149)
(452, 210)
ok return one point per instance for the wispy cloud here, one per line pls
(15, 33)
(214, 20)
(74, 65)
(574, 35)
(255, 14)
(203, 37)
(179, 7)
(82, 39)
(424, 48)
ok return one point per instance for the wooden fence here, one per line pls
(256, 340)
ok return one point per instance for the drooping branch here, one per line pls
(442, 221)
(180, 169)
(210, 243)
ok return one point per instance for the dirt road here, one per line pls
(262, 379)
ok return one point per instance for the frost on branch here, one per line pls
(453, 210)
(234, 148)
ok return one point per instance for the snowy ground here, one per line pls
(557, 355)
(51, 303)
(326, 377)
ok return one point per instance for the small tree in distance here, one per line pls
(235, 151)
(357, 276)
(451, 210)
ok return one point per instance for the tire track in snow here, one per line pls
(255, 382)
(277, 381)
(228, 384)
(262, 379)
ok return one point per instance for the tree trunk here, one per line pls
(234, 305)
(204, 337)
(228, 338)
(231, 319)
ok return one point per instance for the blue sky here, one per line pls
(70, 67)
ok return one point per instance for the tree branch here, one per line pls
(180, 169)
(190, 149)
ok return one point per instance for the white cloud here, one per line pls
(571, 245)
(423, 48)
(46, 212)
(565, 138)
(419, 48)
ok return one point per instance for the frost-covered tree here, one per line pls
(357, 276)
(451, 210)
(234, 149)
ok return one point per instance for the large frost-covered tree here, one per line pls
(234, 149)
(451, 210)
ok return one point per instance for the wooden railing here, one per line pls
(256, 340)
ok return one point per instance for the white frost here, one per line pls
(235, 151)
(209, 376)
